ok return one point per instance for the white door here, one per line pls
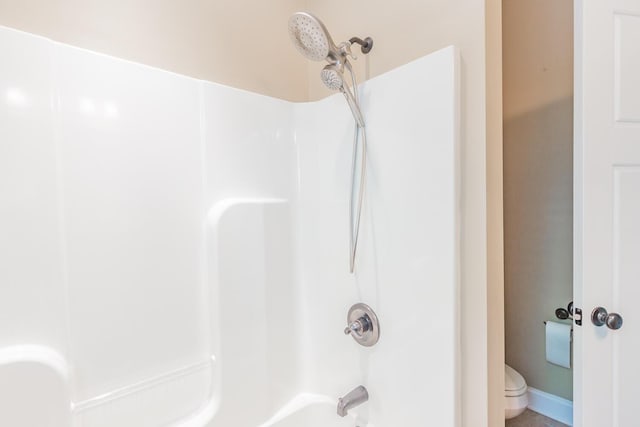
(607, 211)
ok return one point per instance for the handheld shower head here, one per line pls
(311, 37)
(333, 78)
(312, 40)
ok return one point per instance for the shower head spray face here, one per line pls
(332, 77)
(310, 36)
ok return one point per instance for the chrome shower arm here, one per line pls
(365, 45)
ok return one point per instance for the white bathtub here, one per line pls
(312, 410)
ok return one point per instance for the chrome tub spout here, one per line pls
(354, 398)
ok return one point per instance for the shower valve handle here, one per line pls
(359, 326)
(363, 325)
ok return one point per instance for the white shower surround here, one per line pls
(175, 252)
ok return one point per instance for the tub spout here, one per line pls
(355, 397)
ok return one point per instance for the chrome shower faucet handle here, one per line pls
(362, 325)
(359, 327)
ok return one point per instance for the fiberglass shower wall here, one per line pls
(109, 173)
(406, 267)
(175, 252)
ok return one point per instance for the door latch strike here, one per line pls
(577, 316)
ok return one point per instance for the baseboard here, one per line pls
(551, 406)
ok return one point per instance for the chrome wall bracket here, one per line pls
(363, 325)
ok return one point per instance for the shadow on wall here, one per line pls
(538, 221)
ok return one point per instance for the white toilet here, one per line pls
(515, 393)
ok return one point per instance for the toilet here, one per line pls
(515, 393)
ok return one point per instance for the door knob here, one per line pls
(599, 317)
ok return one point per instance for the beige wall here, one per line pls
(495, 220)
(240, 43)
(244, 43)
(538, 86)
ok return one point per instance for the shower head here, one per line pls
(311, 37)
(333, 78)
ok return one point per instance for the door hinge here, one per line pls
(577, 316)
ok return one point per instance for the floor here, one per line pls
(533, 419)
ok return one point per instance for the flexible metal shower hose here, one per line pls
(354, 221)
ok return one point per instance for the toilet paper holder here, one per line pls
(564, 314)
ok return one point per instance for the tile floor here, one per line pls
(533, 419)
